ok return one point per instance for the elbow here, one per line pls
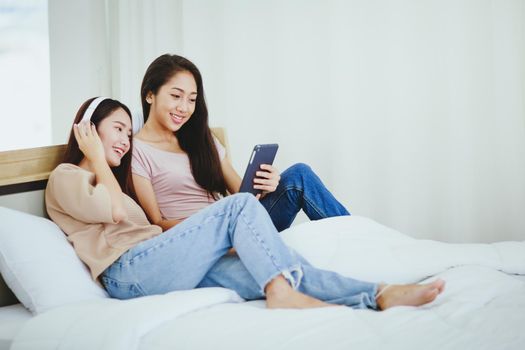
(157, 222)
(119, 214)
(161, 223)
(166, 224)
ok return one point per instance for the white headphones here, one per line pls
(91, 109)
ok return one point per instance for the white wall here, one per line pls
(412, 112)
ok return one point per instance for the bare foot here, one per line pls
(280, 295)
(409, 294)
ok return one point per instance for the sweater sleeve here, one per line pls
(72, 190)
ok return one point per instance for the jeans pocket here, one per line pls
(122, 290)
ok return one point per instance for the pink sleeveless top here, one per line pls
(178, 195)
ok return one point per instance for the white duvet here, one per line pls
(483, 306)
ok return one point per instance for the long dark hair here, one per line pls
(195, 136)
(74, 155)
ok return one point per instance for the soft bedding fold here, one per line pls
(481, 309)
(353, 246)
(110, 324)
(364, 249)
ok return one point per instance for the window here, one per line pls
(24, 75)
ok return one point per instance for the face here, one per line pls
(174, 103)
(115, 133)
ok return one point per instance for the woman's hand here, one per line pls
(266, 180)
(89, 142)
(91, 145)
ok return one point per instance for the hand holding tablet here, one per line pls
(261, 154)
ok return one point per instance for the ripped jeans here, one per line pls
(192, 255)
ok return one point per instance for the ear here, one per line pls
(149, 97)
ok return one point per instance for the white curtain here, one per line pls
(102, 48)
(412, 112)
(138, 31)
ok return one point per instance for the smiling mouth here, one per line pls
(176, 118)
(119, 151)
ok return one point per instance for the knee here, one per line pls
(301, 168)
(297, 172)
(243, 198)
(246, 202)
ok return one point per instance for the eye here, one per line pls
(119, 128)
(175, 96)
(193, 100)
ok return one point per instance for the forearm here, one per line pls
(105, 176)
(232, 179)
(233, 185)
(167, 224)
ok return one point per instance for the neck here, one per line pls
(153, 131)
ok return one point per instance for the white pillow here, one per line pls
(39, 264)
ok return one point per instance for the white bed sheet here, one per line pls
(519, 277)
(480, 309)
(12, 319)
(483, 306)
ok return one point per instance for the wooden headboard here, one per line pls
(28, 169)
(23, 177)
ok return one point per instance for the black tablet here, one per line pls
(261, 154)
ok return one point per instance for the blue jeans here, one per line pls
(192, 255)
(300, 188)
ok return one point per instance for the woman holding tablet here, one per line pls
(179, 168)
(90, 197)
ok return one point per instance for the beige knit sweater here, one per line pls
(82, 209)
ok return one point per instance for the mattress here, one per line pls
(481, 308)
(519, 277)
(12, 319)
(478, 310)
